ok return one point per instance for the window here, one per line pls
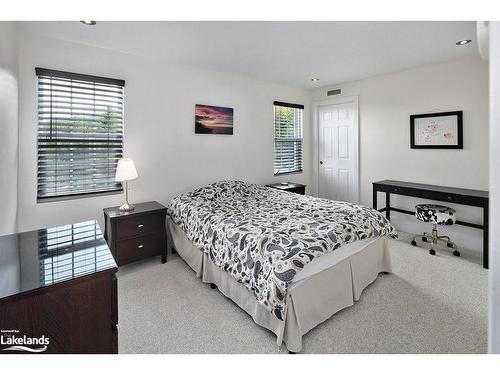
(287, 138)
(80, 134)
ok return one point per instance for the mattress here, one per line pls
(329, 260)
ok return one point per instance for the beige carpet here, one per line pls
(427, 305)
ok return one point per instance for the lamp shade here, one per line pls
(125, 170)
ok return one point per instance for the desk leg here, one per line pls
(485, 236)
(374, 198)
(387, 206)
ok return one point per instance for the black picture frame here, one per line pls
(460, 142)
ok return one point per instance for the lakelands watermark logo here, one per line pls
(22, 343)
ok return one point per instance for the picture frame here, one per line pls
(441, 130)
(211, 119)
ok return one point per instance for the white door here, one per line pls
(338, 151)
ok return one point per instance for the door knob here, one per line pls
(321, 162)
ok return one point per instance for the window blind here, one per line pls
(80, 133)
(287, 138)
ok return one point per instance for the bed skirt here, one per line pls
(309, 302)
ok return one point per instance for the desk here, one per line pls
(466, 197)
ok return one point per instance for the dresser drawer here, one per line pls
(138, 226)
(139, 247)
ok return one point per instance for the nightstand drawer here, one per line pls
(139, 247)
(138, 226)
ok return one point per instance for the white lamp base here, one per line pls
(127, 207)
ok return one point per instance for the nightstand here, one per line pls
(136, 234)
(292, 187)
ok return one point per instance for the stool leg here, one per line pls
(427, 237)
(434, 237)
(414, 240)
(446, 239)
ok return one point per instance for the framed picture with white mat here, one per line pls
(437, 130)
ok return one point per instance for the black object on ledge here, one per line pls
(290, 186)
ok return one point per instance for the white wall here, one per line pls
(386, 103)
(159, 127)
(494, 312)
(8, 127)
(159, 135)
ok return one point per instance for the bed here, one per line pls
(289, 261)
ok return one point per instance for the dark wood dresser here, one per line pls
(136, 234)
(292, 187)
(58, 291)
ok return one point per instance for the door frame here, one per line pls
(333, 101)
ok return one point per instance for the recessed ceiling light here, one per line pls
(463, 42)
(88, 22)
(315, 79)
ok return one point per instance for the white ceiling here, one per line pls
(285, 52)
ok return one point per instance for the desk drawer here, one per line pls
(138, 226)
(399, 190)
(139, 247)
(455, 198)
(440, 196)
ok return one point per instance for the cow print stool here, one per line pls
(437, 215)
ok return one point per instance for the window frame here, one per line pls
(300, 140)
(58, 74)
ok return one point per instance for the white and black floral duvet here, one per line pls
(264, 236)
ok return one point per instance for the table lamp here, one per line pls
(125, 171)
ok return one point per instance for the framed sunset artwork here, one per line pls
(437, 130)
(213, 120)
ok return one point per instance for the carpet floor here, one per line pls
(427, 305)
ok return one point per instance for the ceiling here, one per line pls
(290, 53)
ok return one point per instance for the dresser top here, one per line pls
(140, 208)
(39, 258)
(443, 189)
